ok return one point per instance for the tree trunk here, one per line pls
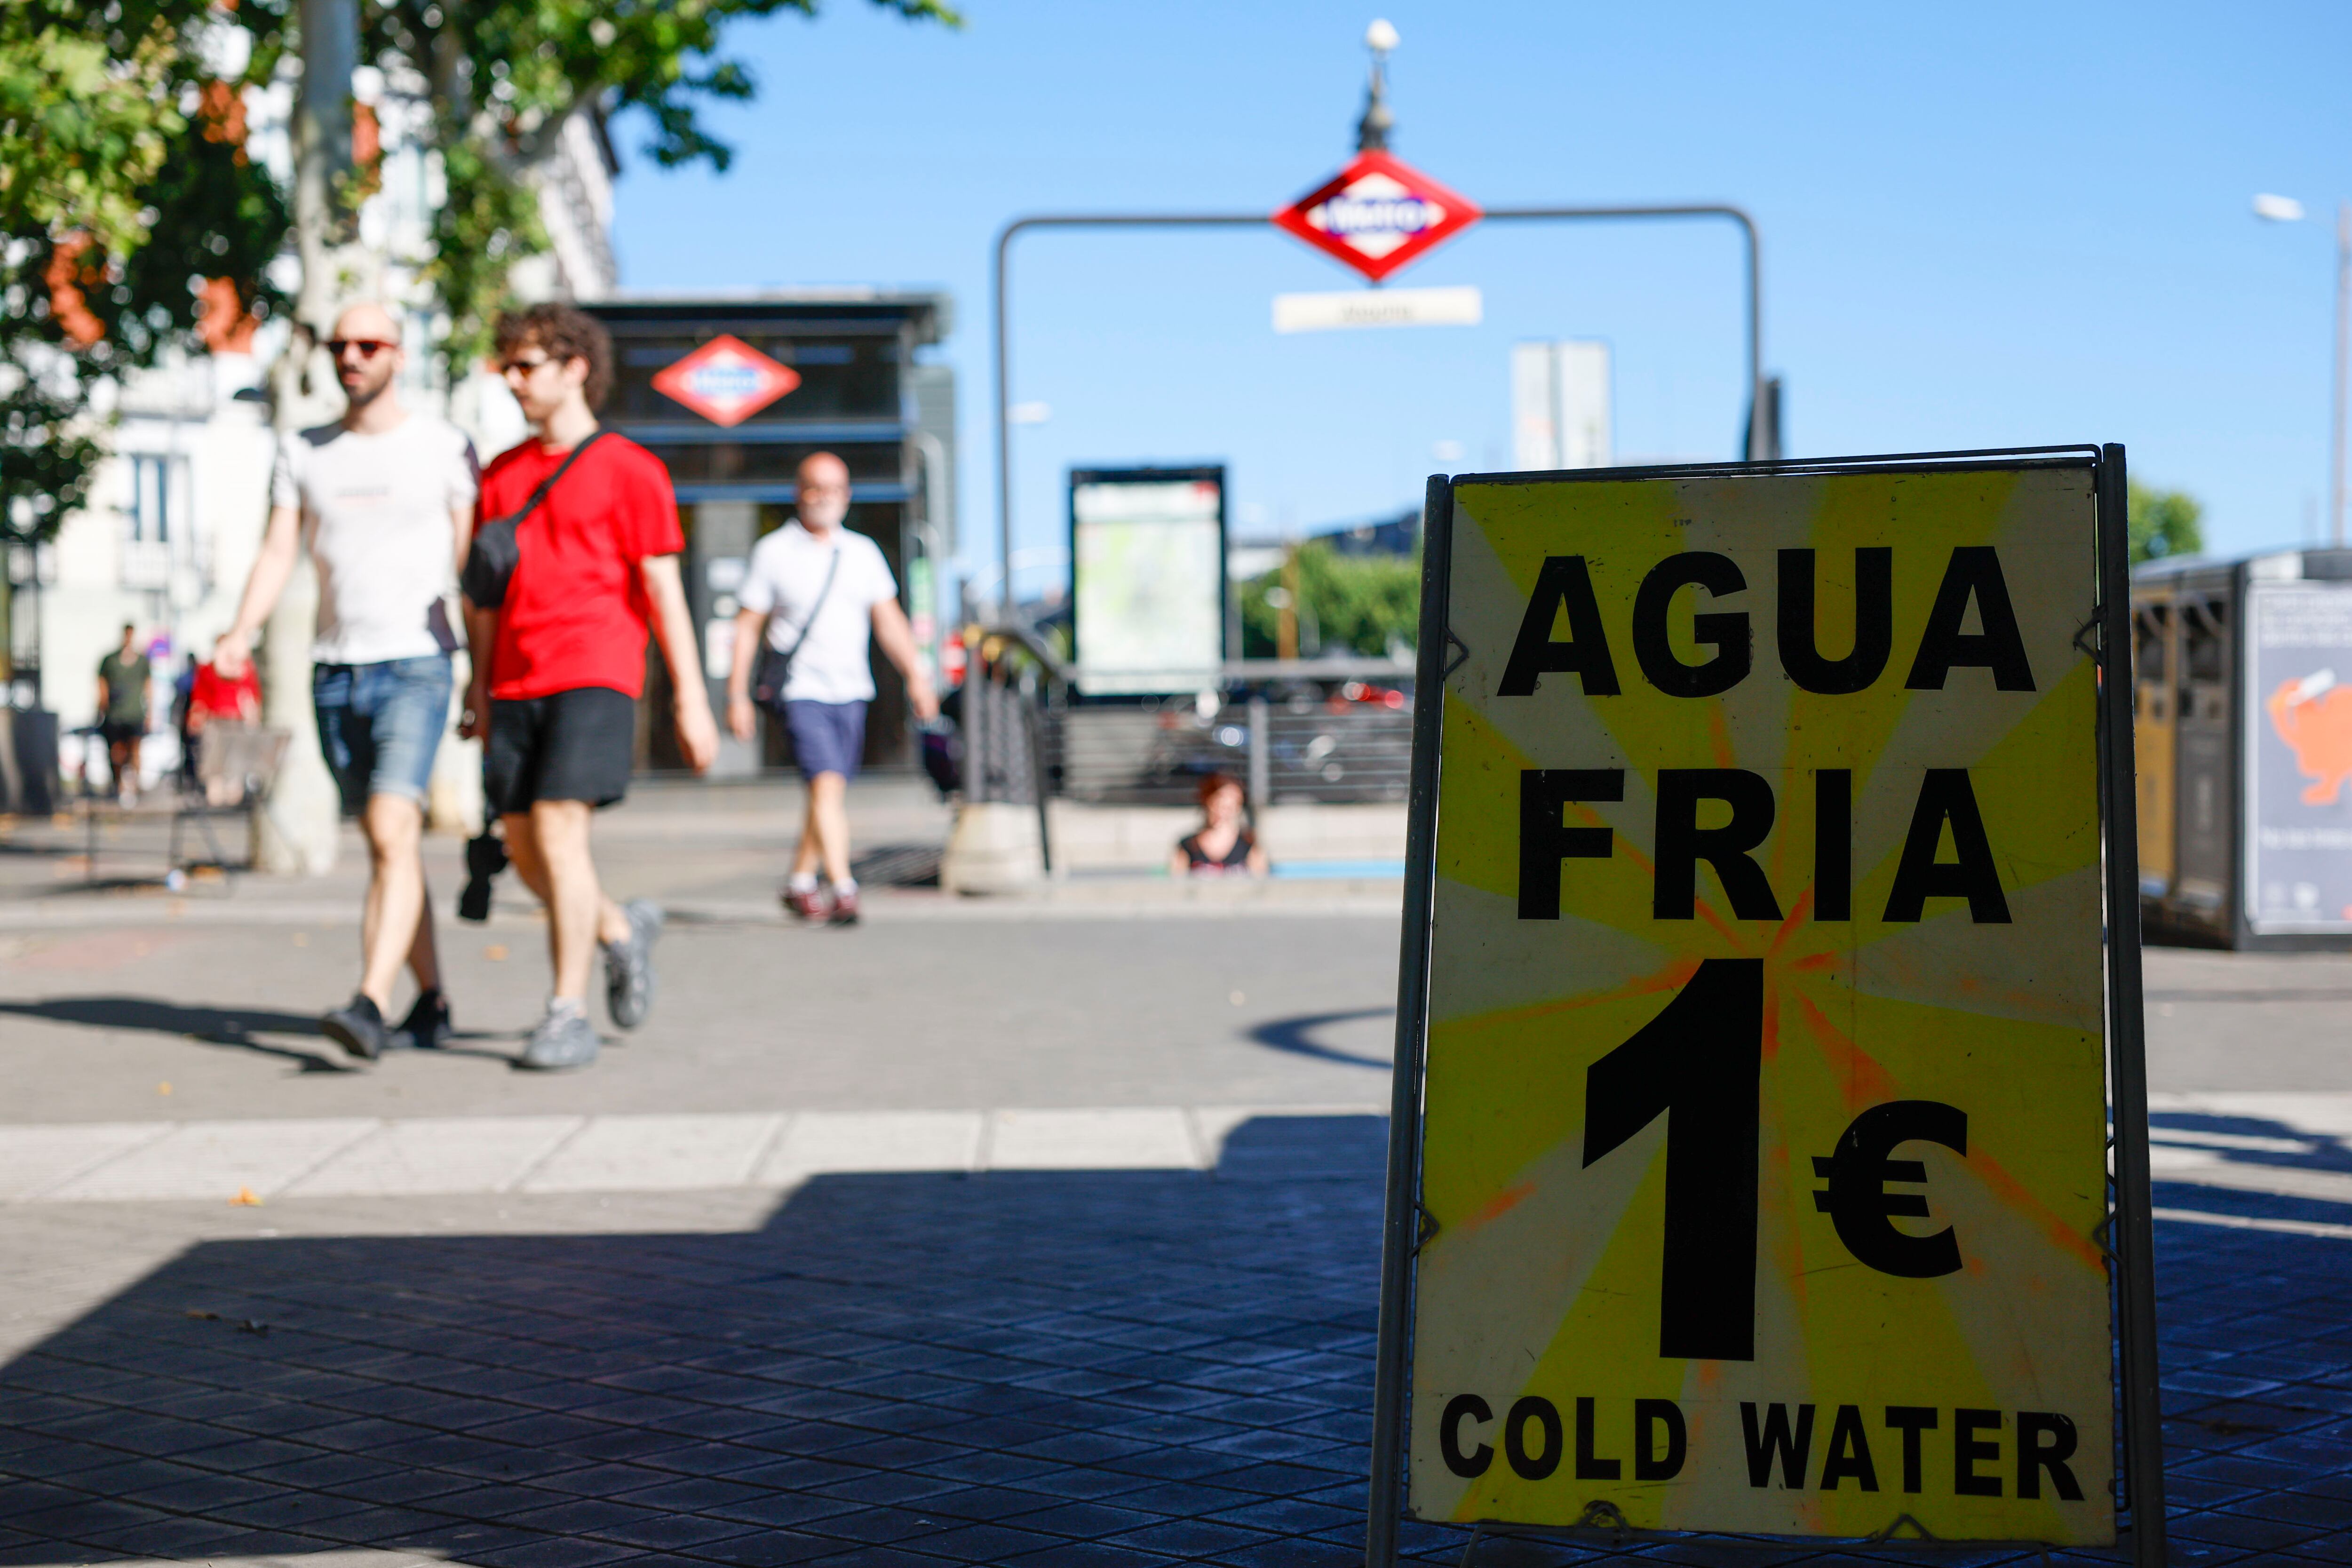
(298, 833)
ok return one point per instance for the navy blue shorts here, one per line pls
(827, 737)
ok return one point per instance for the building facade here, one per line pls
(177, 512)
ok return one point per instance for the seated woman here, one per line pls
(1224, 843)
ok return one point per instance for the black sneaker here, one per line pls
(428, 1025)
(358, 1026)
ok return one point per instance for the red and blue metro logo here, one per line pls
(726, 380)
(1378, 213)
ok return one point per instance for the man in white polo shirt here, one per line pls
(815, 591)
(384, 499)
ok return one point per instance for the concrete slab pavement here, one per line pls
(984, 1234)
(429, 1157)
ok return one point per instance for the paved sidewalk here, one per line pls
(2210, 1146)
(1057, 1369)
(130, 1161)
(1035, 1232)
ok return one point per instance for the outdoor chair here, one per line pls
(236, 764)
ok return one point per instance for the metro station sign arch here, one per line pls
(1377, 215)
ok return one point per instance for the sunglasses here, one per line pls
(369, 347)
(522, 366)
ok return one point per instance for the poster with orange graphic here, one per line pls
(1764, 1114)
(2298, 816)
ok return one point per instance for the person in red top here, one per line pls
(594, 566)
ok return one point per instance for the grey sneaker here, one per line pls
(563, 1039)
(629, 966)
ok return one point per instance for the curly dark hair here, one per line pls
(562, 332)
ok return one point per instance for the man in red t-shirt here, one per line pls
(560, 661)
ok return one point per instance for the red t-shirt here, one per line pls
(215, 696)
(576, 613)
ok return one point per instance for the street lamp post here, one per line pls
(1372, 129)
(1372, 132)
(2286, 209)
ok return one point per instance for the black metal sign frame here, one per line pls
(2129, 1228)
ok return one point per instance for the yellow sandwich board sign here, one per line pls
(1762, 1011)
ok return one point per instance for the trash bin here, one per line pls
(34, 732)
(2242, 674)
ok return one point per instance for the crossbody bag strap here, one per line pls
(548, 484)
(497, 550)
(831, 571)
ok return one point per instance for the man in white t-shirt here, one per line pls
(817, 591)
(384, 499)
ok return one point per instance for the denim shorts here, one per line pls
(827, 737)
(379, 725)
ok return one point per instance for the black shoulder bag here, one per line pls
(775, 667)
(491, 562)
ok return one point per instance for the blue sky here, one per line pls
(1990, 225)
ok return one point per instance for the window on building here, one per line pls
(159, 508)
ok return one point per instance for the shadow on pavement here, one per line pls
(1296, 1036)
(234, 1027)
(1059, 1369)
(899, 865)
(2249, 1139)
(211, 1025)
(1135, 1367)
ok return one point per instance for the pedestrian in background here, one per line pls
(1224, 845)
(122, 677)
(581, 562)
(384, 499)
(812, 594)
(214, 698)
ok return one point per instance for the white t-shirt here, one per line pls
(786, 573)
(375, 514)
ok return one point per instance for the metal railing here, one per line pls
(1271, 724)
(1286, 749)
(1007, 686)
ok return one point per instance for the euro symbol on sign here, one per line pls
(1858, 1203)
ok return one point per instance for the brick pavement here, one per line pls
(902, 1368)
(902, 1371)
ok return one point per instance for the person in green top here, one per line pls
(122, 677)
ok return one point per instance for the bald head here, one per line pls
(367, 320)
(365, 344)
(823, 492)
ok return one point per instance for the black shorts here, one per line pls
(121, 731)
(567, 745)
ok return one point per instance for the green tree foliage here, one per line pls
(505, 74)
(1362, 603)
(2164, 522)
(124, 173)
(123, 189)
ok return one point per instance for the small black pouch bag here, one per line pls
(773, 665)
(490, 561)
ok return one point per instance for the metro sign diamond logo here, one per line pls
(726, 380)
(1378, 213)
